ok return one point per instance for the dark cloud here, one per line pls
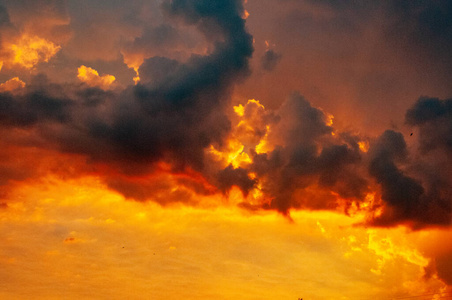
(308, 155)
(407, 200)
(433, 117)
(4, 17)
(157, 70)
(398, 190)
(444, 268)
(239, 177)
(440, 265)
(173, 116)
(426, 25)
(30, 109)
(270, 59)
(161, 40)
(159, 187)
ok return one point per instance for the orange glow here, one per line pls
(239, 110)
(136, 79)
(264, 145)
(81, 232)
(244, 136)
(133, 61)
(12, 85)
(232, 155)
(330, 118)
(28, 51)
(363, 146)
(91, 77)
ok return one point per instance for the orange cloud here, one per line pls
(27, 51)
(12, 84)
(91, 77)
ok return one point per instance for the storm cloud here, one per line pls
(172, 116)
(169, 122)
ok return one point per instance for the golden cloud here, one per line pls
(91, 77)
(27, 51)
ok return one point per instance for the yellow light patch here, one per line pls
(329, 120)
(239, 110)
(363, 146)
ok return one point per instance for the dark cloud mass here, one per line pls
(172, 116)
(408, 200)
(307, 154)
(181, 107)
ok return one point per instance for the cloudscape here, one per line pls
(225, 149)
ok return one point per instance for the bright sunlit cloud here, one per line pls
(92, 78)
(27, 51)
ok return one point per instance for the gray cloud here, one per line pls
(307, 155)
(407, 199)
(434, 119)
(270, 59)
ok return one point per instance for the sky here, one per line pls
(227, 149)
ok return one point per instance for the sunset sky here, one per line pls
(225, 149)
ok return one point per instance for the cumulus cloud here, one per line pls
(306, 154)
(21, 47)
(408, 200)
(92, 78)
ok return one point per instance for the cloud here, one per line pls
(27, 51)
(91, 78)
(162, 40)
(47, 19)
(270, 59)
(173, 116)
(305, 154)
(12, 85)
(4, 17)
(407, 199)
(179, 115)
(443, 266)
(433, 117)
(425, 27)
(33, 108)
(239, 177)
